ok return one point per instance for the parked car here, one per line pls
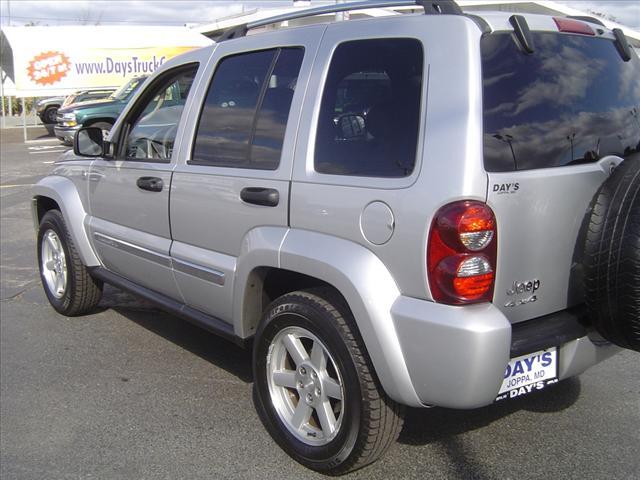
(47, 108)
(413, 210)
(87, 95)
(98, 113)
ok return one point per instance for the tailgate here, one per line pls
(555, 123)
(539, 215)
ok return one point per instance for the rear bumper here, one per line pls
(457, 356)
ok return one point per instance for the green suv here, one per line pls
(97, 113)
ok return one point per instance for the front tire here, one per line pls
(69, 287)
(49, 115)
(315, 388)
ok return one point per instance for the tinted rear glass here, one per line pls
(572, 101)
(244, 117)
(370, 113)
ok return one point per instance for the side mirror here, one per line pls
(350, 127)
(89, 142)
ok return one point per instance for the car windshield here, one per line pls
(574, 100)
(126, 90)
(69, 100)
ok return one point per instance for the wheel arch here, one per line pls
(93, 120)
(40, 206)
(278, 261)
(60, 193)
(264, 284)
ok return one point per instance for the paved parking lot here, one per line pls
(131, 392)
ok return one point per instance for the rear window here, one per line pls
(574, 100)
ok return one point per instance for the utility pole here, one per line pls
(2, 96)
(340, 16)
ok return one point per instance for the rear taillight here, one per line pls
(461, 255)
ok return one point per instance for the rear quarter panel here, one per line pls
(449, 154)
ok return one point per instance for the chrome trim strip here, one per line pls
(150, 255)
(204, 273)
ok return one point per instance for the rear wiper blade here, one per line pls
(622, 44)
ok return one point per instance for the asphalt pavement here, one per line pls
(130, 392)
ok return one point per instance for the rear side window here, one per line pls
(244, 117)
(370, 112)
(574, 100)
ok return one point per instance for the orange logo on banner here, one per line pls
(49, 67)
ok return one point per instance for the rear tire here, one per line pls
(69, 287)
(366, 421)
(612, 257)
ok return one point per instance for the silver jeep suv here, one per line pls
(428, 209)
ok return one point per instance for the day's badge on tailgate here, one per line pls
(530, 372)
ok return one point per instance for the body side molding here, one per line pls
(145, 253)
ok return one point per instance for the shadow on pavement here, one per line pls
(16, 134)
(424, 426)
(442, 427)
(207, 346)
(49, 129)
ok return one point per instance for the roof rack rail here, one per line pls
(445, 7)
(235, 32)
(431, 7)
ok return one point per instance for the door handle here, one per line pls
(267, 197)
(152, 184)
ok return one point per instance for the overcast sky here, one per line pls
(178, 12)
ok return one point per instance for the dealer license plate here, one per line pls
(530, 372)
